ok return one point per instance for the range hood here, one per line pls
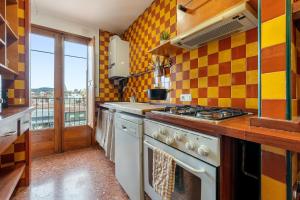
(239, 18)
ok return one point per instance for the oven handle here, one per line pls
(197, 171)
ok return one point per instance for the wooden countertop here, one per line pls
(239, 128)
(133, 108)
(13, 112)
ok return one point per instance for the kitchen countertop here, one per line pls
(239, 128)
(133, 108)
(13, 112)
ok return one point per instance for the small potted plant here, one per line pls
(164, 36)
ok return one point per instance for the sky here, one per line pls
(42, 63)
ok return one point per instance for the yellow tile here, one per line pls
(19, 101)
(272, 189)
(212, 92)
(194, 54)
(186, 66)
(179, 58)
(251, 77)
(21, 31)
(273, 32)
(21, 67)
(21, 49)
(19, 84)
(251, 49)
(21, 13)
(202, 61)
(238, 65)
(238, 39)
(225, 56)
(178, 93)
(238, 91)
(202, 101)
(225, 80)
(251, 103)
(224, 102)
(194, 92)
(202, 82)
(186, 84)
(213, 47)
(10, 93)
(193, 73)
(179, 76)
(273, 85)
(213, 70)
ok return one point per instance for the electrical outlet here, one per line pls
(186, 97)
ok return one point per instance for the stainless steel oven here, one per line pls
(195, 179)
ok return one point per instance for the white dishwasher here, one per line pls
(128, 154)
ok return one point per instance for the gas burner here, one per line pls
(206, 113)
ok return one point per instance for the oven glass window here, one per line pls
(187, 185)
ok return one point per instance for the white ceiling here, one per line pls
(111, 15)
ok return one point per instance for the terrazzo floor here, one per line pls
(75, 175)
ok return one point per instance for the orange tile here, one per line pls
(238, 103)
(268, 108)
(202, 51)
(272, 9)
(225, 44)
(225, 92)
(213, 59)
(213, 81)
(238, 52)
(238, 78)
(273, 58)
(225, 68)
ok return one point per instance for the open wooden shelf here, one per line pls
(10, 2)
(5, 142)
(9, 178)
(7, 71)
(165, 49)
(11, 35)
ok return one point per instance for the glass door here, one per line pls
(76, 133)
(61, 67)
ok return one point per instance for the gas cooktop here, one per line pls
(210, 114)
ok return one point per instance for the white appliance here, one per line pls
(118, 58)
(197, 158)
(128, 154)
(240, 18)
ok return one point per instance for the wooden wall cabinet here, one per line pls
(9, 38)
(201, 10)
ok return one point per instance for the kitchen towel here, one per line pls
(163, 173)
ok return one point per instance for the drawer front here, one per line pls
(10, 128)
(24, 123)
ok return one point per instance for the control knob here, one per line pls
(156, 135)
(162, 131)
(170, 140)
(190, 145)
(178, 137)
(203, 150)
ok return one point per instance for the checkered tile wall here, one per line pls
(222, 73)
(16, 91)
(107, 90)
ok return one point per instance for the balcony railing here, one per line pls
(43, 115)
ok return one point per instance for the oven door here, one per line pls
(194, 179)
